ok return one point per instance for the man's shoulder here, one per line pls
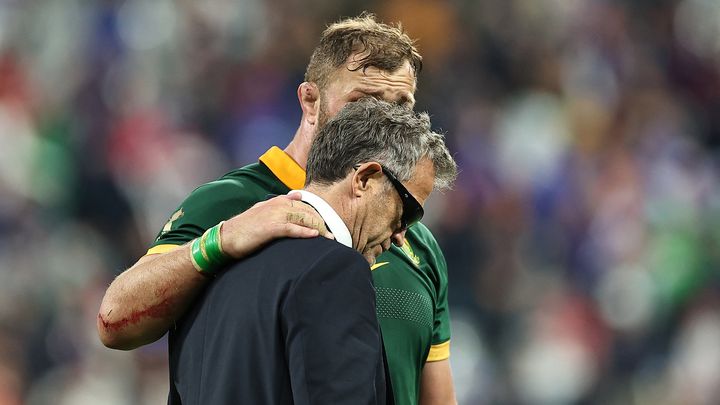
(422, 234)
(250, 172)
(281, 263)
(249, 184)
(254, 175)
(318, 251)
(217, 200)
(297, 256)
(292, 266)
(320, 258)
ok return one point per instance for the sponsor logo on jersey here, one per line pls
(376, 265)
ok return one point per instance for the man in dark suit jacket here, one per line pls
(295, 322)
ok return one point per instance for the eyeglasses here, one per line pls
(412, 210)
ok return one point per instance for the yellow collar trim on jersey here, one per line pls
(284, 167)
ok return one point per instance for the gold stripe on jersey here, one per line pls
(439, 352)
(284, 167)
(156, 250)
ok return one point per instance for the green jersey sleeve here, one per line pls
(440, 344)
(206, 206)
(440, 349)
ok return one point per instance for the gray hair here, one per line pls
(370, 130)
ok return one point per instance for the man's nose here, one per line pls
(398, 238)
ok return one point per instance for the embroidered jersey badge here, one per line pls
(168, 226)
(409, 253)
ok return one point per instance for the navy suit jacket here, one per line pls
(294, 323)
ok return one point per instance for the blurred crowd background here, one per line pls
(581, 237)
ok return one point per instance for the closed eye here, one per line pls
(358, 94)
(404, 102)
(355, 97)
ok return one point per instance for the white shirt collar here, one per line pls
(330, 216)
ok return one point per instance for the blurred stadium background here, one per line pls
(581, 238)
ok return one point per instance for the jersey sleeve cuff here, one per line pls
(439, 352)
(155, 250)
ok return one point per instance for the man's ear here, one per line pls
(309, 97)
(366, 176)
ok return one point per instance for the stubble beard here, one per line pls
(323, 116)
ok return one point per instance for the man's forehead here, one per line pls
(397, 86)
(403, 76)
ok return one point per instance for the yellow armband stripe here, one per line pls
(156, 250)
(439, 352)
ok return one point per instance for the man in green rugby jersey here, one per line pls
(356, 58)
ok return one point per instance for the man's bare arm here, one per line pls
(436, 386)
(143, 302)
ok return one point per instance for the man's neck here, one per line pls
(299, 147)
(333, 196)
(328, 210)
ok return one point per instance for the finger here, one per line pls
(291, 230)
(294, 195)
(299, 231)
(304, 218)
(310, 220)
(322, 228)
(303, 215)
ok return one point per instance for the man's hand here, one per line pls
(278, 217)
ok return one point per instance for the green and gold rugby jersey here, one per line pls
(411, 281)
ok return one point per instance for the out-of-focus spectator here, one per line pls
(582, 237)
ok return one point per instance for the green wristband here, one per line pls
(197, 258)
(212, 245)
(206, 252)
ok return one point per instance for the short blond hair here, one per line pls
(383, 46)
